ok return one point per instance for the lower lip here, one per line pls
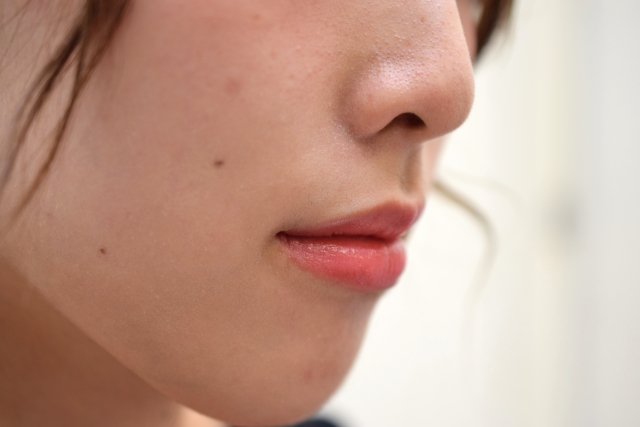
(364, 264)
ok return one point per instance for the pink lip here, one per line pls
(362, 252)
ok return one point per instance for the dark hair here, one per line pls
(494, 14)
(81, 51)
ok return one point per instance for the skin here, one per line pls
(146, 275)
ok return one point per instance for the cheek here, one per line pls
(204, 316)
(155, 234)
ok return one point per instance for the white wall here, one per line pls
(607, 328)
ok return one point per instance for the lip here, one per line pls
(363, 252)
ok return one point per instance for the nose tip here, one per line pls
(427, 91)
(430, 99)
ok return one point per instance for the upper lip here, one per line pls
(388, 221)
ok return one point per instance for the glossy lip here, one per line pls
(363, 252)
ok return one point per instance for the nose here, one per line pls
(421, 82)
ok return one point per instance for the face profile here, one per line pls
(233, 193)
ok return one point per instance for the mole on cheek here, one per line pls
(103, 251)
(232, 87)
(218, 164)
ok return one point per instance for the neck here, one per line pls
(51, 371)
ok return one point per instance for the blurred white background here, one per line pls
(551, 154)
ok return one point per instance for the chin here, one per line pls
(267, 406)
(273, 367)
(270, 389)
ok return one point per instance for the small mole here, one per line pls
(232, 86)
(218, 164)
(103, 251)
(308, 375)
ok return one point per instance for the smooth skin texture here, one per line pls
(148, 271)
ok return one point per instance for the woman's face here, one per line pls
(184, 226)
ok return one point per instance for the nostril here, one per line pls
(408, 120)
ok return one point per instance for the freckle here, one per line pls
(232, 86)
(103, 251)
(308, 375)
(218, 164)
